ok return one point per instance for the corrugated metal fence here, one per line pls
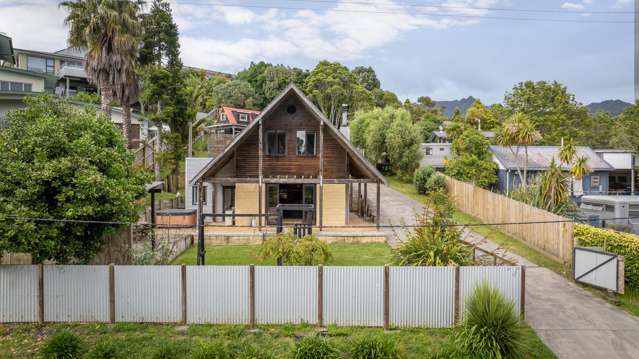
(357, 296)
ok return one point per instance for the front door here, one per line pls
(228, 199)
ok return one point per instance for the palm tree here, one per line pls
(126, 90)
(110, 30)
(553, 190)
(519, 132)
(580, 168)
(567, 151)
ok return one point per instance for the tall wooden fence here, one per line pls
(351, 296)
(554, 239)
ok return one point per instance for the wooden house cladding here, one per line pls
(291, 163)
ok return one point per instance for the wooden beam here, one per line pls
(377, 215)
(233, 180)
(260, 174)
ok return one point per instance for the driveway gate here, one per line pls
(599, 269)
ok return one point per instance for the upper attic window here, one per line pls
(223, 117)
(243, 117)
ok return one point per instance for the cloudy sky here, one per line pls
(446, 49)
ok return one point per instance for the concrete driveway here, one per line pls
(570, 320)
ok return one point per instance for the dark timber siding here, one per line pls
(291, 164)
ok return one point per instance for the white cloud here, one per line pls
(572, 6)
(35, 24)
(345, 31)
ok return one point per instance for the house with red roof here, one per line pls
(231, 120)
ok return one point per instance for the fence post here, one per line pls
(457, 311)
(386, 297)
(320, 295)
(252, 296)
(111, 293)
(183, 292)
(40, 271)
(523, 292)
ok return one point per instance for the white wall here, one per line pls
(620, 161)
(37, 83)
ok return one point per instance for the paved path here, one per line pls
(570, 320)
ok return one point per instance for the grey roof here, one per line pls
(72, 51)
(442, 134)
(539, 157)
(290, 89)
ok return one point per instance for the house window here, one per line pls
(40, 64)
(243, 117)
(276, 143)
(594, 181)
(305, 141)
(428, 151)
(4, 85)
(194, 195)
(27, 88)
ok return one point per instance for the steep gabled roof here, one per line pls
(231, 111)
(288, 91)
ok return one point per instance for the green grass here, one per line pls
(371, 254)
(142, 340)
(504, 240)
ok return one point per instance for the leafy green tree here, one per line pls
(268, 80)
(110, 30)
(160, 43)
(60, 162)
(366, 77)
(236, 93)
(625, 129)
(383, 98)
(286, 249)
(472, 161)
(330, 85)
(479, 115)
(199, 90)
(552, 109)
(403, 144)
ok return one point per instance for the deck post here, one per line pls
(378, 205)
(359, 199)
(260, 174)
(364, 208)
(200, 223)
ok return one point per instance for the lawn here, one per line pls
(148, 340)
(369, 254)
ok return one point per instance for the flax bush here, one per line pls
(315, 348)
(63, 345)
(286, 249)
(374, 347)
(491, 329)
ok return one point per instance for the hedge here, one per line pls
(624, 244)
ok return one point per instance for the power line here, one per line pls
(81, 221)
(469, 7)
(445, 15)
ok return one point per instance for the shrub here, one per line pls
(210, 351)
(421, 177)
(251, 352)
(105, 349)
(624, 244)
(315, 348)
(63, 345)
(491, 328)
(435, 183)
(374, 347)
(434, 242)
(286, 249)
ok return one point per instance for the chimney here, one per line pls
(344, 115)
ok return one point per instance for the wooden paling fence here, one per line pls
(547, 232)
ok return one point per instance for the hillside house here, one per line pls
(438, 149)
(289, 154)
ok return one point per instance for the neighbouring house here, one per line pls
(139, 123)
(16, 84)
(438, 149)
(539, 159)
(228, 122)
(67, 65)
(290, 154)
(623, 179)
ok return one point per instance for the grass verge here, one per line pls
(146, 340)
(366, 254)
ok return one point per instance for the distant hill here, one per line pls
(613, 107)
(448, 107)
